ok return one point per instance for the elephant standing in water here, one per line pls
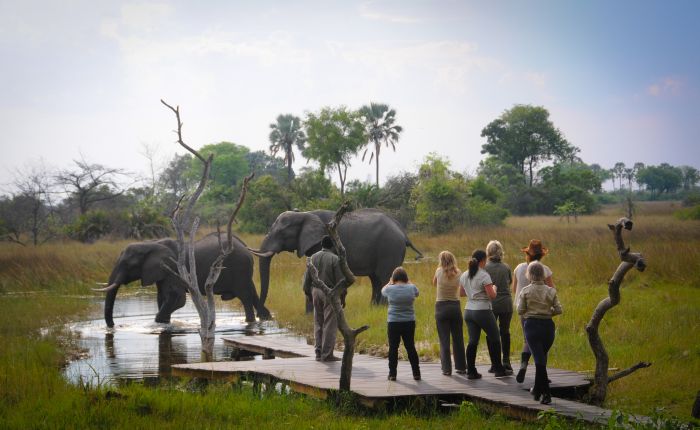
(144, 261)
(375, 243)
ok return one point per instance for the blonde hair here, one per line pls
(535, 272)
(448, 264)
(494, 250)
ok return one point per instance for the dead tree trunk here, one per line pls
(186, 226)
(333, 295)
(628, 261)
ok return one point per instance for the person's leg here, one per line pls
(504, 330)
(442, 322)
(456, 324)
(548, 331)
(474, 332)
(330, 331)
(408, 334)
(318, 302)
(534, 335)
(394, 338)
(488, 323)
(489, 345)
(524, 356)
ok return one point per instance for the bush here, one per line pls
(90, 226)
(692, 213)
(482, 212)
(265, 200)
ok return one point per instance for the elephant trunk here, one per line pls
(264, 278)
(115, 279)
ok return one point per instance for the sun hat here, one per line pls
(535, 248)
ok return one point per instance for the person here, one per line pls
(502, 305)
(325, 320)
(477, 286)
(401, 320)
(533, 252)
(448, 316)
(537, 305)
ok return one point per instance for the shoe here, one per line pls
(318, 358)
(507, 366)
(461, 371)
(502, 372)
(536, 394)
(546, 399)
(524, 358)
(392, 377)
(416, 377)
(473, 375)
(332, 358)
(491, 370)
(447, 373)
(520, 377)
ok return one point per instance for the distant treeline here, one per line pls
(530, 168)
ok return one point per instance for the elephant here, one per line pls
(145, 261)
(375, 243)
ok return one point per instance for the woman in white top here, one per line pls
(533, 252)
(448, 316)
(477, 286)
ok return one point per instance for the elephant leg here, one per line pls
(377, 284)
(249, 312)
(173, 300)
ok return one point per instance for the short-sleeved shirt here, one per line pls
(401, 298)
(476, 293)
(502, 278)
(447, 288)
(520, 273)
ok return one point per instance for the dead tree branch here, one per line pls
(628, 371)
(334, 294)
(628, 260)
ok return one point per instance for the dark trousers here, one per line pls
(503, 320)
(539, 334)
(448, 317)
(482, 320)
(398, 331)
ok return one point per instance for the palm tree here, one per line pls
(379, 124)
(287, 133)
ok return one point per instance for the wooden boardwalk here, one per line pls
(303, 373)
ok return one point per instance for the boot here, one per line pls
(505, 346)
(489, 345)
(537, 388)
(544, 384)
(471, 363)
(495, 355)
(524, 359)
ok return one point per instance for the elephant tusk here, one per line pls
(106, 289)
(101, 283)
(261, 253)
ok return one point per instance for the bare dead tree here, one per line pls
(185, 224)
(90, 183)
(629, 260)
(334, 294)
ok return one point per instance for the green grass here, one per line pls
(657, 321)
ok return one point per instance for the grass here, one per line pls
(657, 321)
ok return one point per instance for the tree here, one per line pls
(229, 167)
(660, 179)
(691, 176)
(379, 121)
(618, 172)
(395, 197)
(574, 183)
(267, 200)
(174, 179)
(313, 190)
(525, 137)
(262, 164)
(638, 168)
(602, 174)
(90, 183)
(334, 136)
(285, 135)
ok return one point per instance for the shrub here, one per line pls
(90, 226)
(692, 213)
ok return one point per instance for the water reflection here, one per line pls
(138, 348)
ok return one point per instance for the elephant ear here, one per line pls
(310, 235)
(153, 270)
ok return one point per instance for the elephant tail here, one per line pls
(410, 245)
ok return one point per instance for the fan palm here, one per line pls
(379, 122)
(287, 133)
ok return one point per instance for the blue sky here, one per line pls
(84, 78)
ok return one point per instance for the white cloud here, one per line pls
(367, 12)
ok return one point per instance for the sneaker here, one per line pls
(501, 373)
(473, 375)
(508, 367)
(416, 377)
(392, 377)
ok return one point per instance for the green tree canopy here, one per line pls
(334, 136)
(285, 134)
(380, 125)
(230, 166)
(524, 137)
(660, 179)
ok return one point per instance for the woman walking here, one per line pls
(477, 285)
(401, 320)
(537, 305)
(533, 252)
(502, 305)
(448, 316)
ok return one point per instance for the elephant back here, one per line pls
(238, 272)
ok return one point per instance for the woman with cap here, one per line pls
(477, 286)
(534, 251)
(448, 315)
(537, 304)
(502, 305)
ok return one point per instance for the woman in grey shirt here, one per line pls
(502, 305)
(479, 289)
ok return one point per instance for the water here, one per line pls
(139, 349)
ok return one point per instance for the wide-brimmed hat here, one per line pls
(535, 248)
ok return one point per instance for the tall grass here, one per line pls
(657, 321)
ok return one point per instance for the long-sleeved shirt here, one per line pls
(328, 266)
(537, 300)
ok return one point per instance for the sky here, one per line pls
(84, 79)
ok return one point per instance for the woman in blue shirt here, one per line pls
(401, 320)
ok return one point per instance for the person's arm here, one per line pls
(522, 303)
(306, 285)
(556, 307)
(490, 291)
(548, 280)
(417, 291)
(515, 283)
(435, 280)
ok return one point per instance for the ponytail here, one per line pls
(477, 257)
